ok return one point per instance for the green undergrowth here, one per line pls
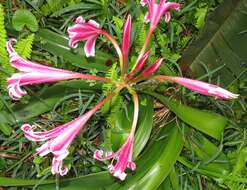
(198, 142)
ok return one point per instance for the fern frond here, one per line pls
(111, 74)
(141, 33)
(52, 6)
(118, 23)
(5, 67)
(24, 46)
(113, 107)
(116, 105)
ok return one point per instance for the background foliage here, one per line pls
(176, 146)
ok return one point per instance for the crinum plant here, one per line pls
(58, 140)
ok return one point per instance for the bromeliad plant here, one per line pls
(58, 140)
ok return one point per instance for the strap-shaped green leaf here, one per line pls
(207, 122)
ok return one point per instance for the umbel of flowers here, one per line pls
(58, 140)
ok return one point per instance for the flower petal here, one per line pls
(89, 47)
(99, 155)
(200, 87)
(126, 36)
(152, 68)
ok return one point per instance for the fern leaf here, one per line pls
(116, 105)
(111, 74)
(24, 46)
(5, 69)
(52, 6)
(141, 31)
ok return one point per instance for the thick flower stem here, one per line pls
(92, 77)
(136, 111)
(118, 49)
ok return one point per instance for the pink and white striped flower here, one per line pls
(155, 11)
(123, 158)
(84, 31)
(200, 87)
(34, 73)
(60, 138)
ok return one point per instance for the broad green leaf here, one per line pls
(96, 181)
(145, 124)
(203, 169)
(124, 122)
(207, 153)
(57, 44)
(156, 162)
(223, 42)
(45, 101)
(7, 181)
(207, 122)
(5, 128)
(22, 18)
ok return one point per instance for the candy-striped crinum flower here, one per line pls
(156, 11)
(34, 73)
(84, 31)
(200, 87)
(60, 138)
(123, 157)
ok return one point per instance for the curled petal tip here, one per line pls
(99, 155)
(80, 20)
(143, 2)
(123, 159)
(131, 165)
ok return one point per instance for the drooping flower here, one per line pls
(155, 11)
(34, 73)
(60, 138)
(200, 87)
(84, 31)
(123, 157)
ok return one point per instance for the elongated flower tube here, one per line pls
(84, 31)
(34, 73)
(123, 156)
(152, 68)
(126, 40)
(60, 138)
(139, 65)
(155, 11)
(200, 87)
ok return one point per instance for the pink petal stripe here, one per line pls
(89, 47)
(126, 36)
(200, 87)
(98, 154)
(152, 68)
(139, 65)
